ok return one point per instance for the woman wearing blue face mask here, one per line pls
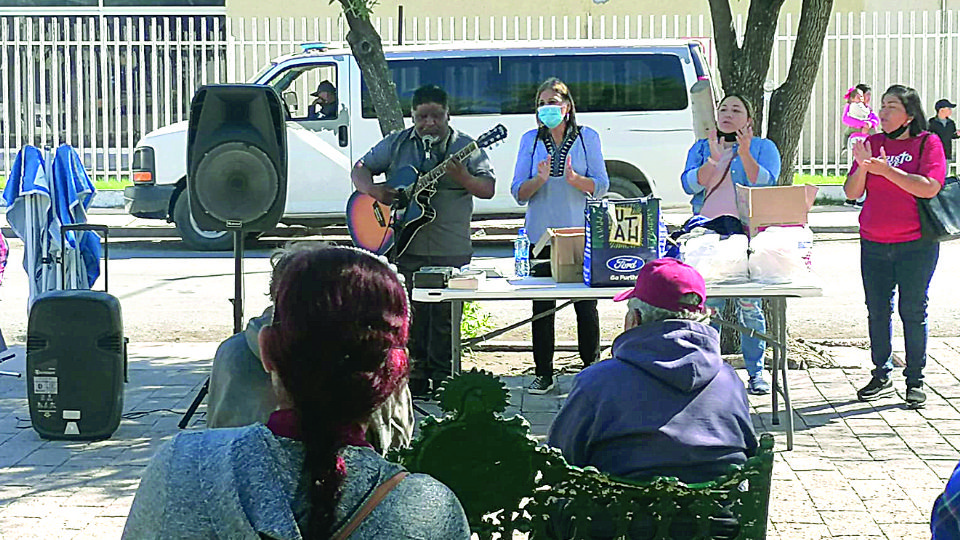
(559, 165)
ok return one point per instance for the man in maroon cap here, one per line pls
(665, 404)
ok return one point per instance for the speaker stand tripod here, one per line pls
(8, 373)
(237, 301)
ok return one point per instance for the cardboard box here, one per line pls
(761, 207)
(621, 235)
(566, 253)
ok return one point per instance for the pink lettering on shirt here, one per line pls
(889, 213)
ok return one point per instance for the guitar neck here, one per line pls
(431, 177)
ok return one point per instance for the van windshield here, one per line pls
(507, 84)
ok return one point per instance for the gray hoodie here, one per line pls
(246, 483)
(665, 405)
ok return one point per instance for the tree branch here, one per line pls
(789, 102)
(758, 42)
(368, 51)
(725, 38)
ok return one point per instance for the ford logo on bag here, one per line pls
(625, 263)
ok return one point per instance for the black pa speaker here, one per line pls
(76, 364)
(237, 158)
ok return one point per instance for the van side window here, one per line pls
(600, 83)
(471, 84)
(504, 84)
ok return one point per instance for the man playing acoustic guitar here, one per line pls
(445, 241)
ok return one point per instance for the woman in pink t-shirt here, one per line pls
(895, 168)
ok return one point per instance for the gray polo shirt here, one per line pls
(449, 233)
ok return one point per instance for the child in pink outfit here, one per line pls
(858, 117)
(860, 121)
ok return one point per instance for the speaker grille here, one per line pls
(35, 343)
(236, 181)
(112, 343)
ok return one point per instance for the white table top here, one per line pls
(546, 288)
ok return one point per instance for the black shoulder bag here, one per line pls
(940, 215)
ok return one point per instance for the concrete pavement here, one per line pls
(857, 469)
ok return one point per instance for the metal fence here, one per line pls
(100, 82)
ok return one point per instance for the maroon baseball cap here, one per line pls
(662, 282)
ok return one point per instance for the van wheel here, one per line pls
(623, 188)
(192, 235)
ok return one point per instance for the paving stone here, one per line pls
(899, 452)
(923, 498)
(895, 511)
(906, 531)
(545, 403)
(873, 489)
(933, 411)
(863, 470)
(47, 456)
(942, 468)
(838, 497)
(915, 478)
(27, 528)
(845, 522)
(802, 531)
(947, 427)
(102, 527)
(800, 462)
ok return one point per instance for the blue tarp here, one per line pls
(39, 199)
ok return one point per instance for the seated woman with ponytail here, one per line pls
(336, 349)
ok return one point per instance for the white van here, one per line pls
(634, 93)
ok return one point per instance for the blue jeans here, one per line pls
(908, 268)
(749, 314)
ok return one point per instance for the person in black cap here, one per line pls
(943, 126)
(325, 106)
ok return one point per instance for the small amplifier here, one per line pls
(433, 277)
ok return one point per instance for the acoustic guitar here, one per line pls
(372, 223)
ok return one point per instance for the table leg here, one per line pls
(777, 358)
(456, 314)
(782, 338)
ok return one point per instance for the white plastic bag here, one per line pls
(781, 254)
(718, 261)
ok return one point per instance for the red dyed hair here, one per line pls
(338, 341)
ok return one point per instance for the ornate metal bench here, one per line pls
(507, 482)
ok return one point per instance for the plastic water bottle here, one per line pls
(521, 254)
(662, 239)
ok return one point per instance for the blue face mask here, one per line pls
(550, 115)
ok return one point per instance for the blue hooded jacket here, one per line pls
(665, 405)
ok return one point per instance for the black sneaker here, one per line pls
(915, 397)
(875, 389)
(541, 385)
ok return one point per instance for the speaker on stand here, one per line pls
(236, 172)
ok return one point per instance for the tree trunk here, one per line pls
(789, 102)
(368, 50)
(743, 68)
